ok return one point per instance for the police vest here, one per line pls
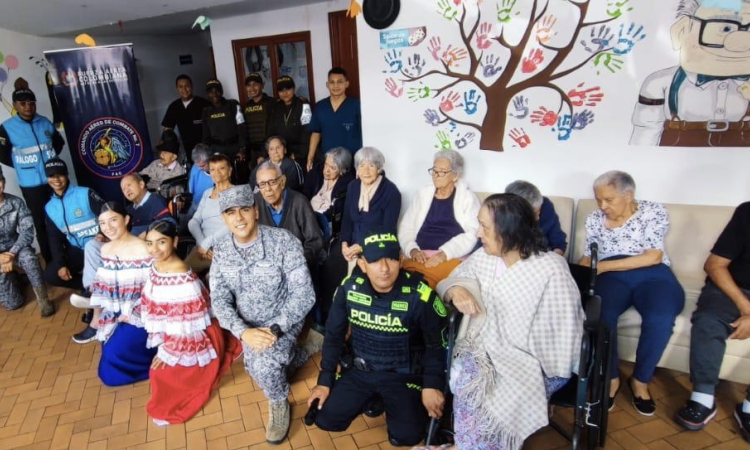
(32, 148)
(382, 329)
(72, 215)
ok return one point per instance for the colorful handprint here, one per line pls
(608, 60)
(598, 40)
(491, 66)
(581, 96)
(544, 117)
(463, 141)
(415, 64)
(444, 141)
(450, 101)
(393, 59)
(544, 29)
(471, 101)
(432, 117)
(505, 10)
(626, 40)
(396, 89)
(418, 93)
(521, 105)
(434, 47)
(447, 10)
(564, 127)
(452, 55)
(520, 136)
(582, 119)
(531, 62)
(616, 8)
(484, 38)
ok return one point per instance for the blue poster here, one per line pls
(406, 37)
(102, 110)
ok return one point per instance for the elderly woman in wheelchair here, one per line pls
(520, 337)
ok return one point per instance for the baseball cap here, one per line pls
(236, 196)
(214, 84)
(285, 82)
(23, 94)
(379, 245)
(55, 166)
(255, 76)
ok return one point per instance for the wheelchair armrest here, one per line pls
(175, 181)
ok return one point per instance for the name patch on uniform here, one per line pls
(256, 108)
(406, 290)
(218, 115)
(400, 306)
(358, 297)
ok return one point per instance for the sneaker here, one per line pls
(278, 421)
(85, 336)
(313, 343)
(743, 420)
(695, 416)
(81, 300)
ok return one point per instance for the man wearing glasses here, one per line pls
(27, 142)
(703, 102)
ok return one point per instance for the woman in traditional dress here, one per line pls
(193, 351)
(521, 334)
(117, 291)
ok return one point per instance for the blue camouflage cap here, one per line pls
(236, 196)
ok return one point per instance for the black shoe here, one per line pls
(695, 416)
(611, 403)
(88, 316)
(375, 407)
(743, 420)
(645, 407)
(85, 336)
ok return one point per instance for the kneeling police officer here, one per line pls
(396, 344)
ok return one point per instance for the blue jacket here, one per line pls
(198, 182)
(385, 206)
(549, 222)
(73, 216)
(31, 147)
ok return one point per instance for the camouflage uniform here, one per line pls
(260, 285)
(16, 236)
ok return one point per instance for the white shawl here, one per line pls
(532, 330)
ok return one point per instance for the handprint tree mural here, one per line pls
(476, 78)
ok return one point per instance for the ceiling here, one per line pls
(102, 17)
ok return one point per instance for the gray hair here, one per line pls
(268, 142)
(621, 181)
(268, 165)
(371, 155)
(455, 159)
(527, 191)
(342, 158)
(200, 153)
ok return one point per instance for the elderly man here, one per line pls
(145, 207)
(27, 142)
(705, 100)
(288, 209)
(198, 179)
(261, 292)
(397, 324)
(16, 237)
(723, 313)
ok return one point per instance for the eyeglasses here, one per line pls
(27, 103)
(269, 183)
(438, 173)
(714, 31)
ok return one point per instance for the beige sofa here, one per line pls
(692, 233)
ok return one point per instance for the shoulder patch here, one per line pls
(439, 307)
(424, 291)
(406, 290)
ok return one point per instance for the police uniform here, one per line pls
(290, 122)
(256, 120)
(224, 125)
(397, 349)
(27, 146)
(71, 222)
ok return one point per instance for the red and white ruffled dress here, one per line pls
(197, 351)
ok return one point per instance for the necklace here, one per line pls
(287, 116)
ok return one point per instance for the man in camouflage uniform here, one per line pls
(261, 292)
(16, 237)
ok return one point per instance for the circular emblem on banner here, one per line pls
(110, 147)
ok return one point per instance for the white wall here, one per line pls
(679, 175)
(312, 18)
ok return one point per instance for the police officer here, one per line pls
(27, 142)
(224, 128)
(289, 119)
(257, 113)
(397, 348)
(71, 222)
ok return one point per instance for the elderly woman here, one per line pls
(372, 201)
(633, 271)
(521, 333)
(207, 226)
(199, 181)
(16, 237)
(557, 240)
(325, 186)
(276, 149)
(440, 226)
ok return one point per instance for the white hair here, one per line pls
(527, 191)
(455, 159)
(621, 181)
(269, 165)
(371, 155)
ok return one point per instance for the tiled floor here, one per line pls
(51, 398)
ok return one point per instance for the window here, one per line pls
(273, 57)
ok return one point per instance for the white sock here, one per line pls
(746, 406)
(706, 400)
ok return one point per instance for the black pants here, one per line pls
(331, 272)
(74, 265)
(36, 198)
(405, 415)
(708, 336)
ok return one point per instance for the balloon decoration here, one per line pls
(12, 62)
(8, 63)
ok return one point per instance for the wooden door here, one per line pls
(343, 31)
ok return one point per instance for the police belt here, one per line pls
(359, 363)
(230, 141)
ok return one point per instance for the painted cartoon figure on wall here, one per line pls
(501, 79)
(705, 100)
